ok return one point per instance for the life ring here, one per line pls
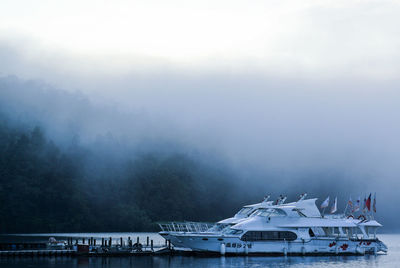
(362, 217)
(350, 216)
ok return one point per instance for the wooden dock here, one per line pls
(85, 247)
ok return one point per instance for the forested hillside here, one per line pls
(46, 189)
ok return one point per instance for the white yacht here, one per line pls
(295, 228)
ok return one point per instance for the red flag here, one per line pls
(368, 203)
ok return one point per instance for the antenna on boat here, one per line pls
(302, 196)
(266, 198)
(281, 200)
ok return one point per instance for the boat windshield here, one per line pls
(269, 212)
(218, 227)
(230, 231)
(244, 211)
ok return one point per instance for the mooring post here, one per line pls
(94, 242)
(105, 243)
(137, 240)
(83, 240)
(110, 242)
(102, 241)
(151, 244)
(147, 242)
(121, 241)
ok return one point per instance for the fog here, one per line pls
(280, 135)
(324, 119)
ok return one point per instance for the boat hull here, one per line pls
(320, 246)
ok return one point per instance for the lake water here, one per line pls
(392, 259)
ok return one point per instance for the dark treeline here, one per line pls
(46, 189)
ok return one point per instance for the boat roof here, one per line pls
(309, 209)
(371, 223)
(319, 222)
(306, 206)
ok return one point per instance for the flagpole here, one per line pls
(374, 206)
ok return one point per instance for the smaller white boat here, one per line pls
(54, 244)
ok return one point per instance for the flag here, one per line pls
(357, 205)
(325, 203)
(374, 204)
(350, 202)
(365, 204)
(368, 203)
(334, 207)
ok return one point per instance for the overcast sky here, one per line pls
(282, 38)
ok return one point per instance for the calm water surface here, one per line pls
(392, 259)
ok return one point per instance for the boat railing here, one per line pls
(335, 216)
(192, 227)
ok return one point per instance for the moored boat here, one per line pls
(296, 228)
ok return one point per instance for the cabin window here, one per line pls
(268, 235)
(244, 211)
(233, 245)
(270, 212)
(228, 245)
(301, 214)
(231, 231)
(311, 233)
(335, 231)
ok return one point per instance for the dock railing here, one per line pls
(185, 227)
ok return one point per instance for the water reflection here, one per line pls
(184, 261)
